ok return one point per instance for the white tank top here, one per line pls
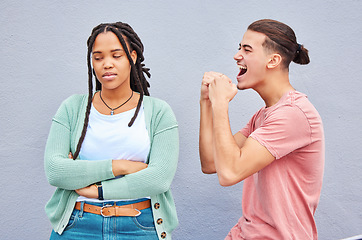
(109, 137)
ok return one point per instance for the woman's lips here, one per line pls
(109, 76)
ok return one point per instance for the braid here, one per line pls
(90, 42)
(138, 81)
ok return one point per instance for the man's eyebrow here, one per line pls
(246, 46)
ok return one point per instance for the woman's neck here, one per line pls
(115, 96)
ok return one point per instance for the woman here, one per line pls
(123, 147)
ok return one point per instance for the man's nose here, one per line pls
(238, 56)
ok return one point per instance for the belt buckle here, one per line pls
(105, 206)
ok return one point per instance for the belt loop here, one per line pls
(81, 209)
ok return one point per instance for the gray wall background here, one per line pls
(43, 61)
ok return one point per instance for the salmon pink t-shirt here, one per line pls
(280, 200)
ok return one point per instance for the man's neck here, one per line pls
(274, 87)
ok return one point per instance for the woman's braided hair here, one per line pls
(138, 82)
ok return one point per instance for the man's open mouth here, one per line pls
(242, 70)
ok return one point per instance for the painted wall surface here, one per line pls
(43, 61)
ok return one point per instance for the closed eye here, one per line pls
(245, 47)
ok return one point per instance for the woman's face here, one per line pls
(110, 62)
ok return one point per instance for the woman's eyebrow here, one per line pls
(114, 50)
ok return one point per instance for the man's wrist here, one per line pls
(220, 105)
(206, 102)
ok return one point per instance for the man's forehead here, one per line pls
(253, 38)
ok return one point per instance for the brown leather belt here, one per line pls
(130, 210)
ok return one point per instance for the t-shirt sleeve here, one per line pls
(284, 130)
(249, 127)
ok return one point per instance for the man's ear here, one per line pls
(134, 56)
(274, 60)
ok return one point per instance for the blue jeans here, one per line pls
(84, 225)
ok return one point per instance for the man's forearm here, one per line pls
(205, 137)
(225, 149)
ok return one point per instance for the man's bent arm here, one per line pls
(235, 158)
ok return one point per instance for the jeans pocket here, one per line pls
(145, 220)
(72, 220)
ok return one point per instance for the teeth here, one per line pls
(242, 67)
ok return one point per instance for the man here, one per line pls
(280, 152)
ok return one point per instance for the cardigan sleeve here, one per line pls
(61, 171)
(163, 158)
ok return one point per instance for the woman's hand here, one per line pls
(125, 167)
(119, 167)
(89, 192)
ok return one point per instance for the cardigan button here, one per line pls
(159, 221)
(157, 205)
(163, 235)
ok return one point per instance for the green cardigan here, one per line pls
(154, 181)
